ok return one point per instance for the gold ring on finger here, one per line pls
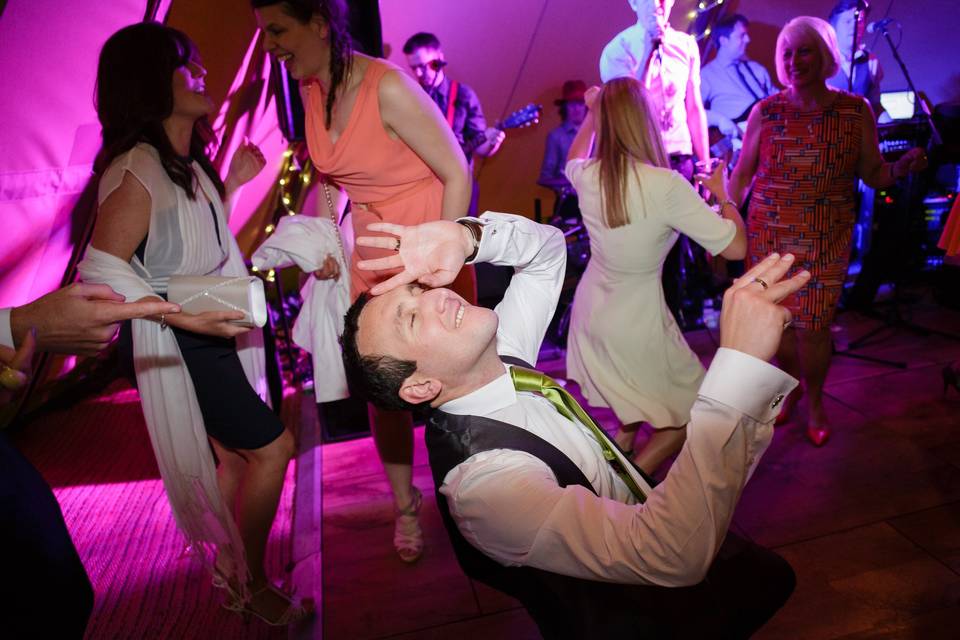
(762, 282)
(397, 248)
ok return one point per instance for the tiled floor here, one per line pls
(870, 522)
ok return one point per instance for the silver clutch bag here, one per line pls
(197, 294)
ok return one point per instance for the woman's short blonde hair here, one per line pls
(817, 31)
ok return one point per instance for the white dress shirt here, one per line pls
(508, 504)
(672, 72)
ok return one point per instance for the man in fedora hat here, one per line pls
(572, 112)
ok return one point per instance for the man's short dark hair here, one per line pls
(422, 40)
(374, 378)
(725, 27)
(846, 5)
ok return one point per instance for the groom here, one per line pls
(536, 503)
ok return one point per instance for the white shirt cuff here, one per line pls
(747, 384)
(488, 250)
(6, 333)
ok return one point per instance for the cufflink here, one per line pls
(777, 401)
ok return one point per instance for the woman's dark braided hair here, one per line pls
(334, 14)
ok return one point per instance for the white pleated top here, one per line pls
(183, 238)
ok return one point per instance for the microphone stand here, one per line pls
(935, 139)
(897, 320)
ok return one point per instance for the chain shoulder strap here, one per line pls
(333, 218)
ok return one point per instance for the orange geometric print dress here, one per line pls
(803, 199)
(385, 180)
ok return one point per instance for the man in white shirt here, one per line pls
(574, 548)
(49, 593)
(731, 83)
(667, 62)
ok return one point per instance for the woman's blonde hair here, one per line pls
(628, 134)
(823, 37)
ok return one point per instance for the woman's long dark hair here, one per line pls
(135, 96)
(334, 13)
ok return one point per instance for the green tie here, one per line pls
(536, 382)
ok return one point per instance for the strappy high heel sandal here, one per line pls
(296, 610)
(407, 534)
(231, 599)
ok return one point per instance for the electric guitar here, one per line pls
(525, 117)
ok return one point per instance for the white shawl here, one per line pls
(173, 416)
(306, 242)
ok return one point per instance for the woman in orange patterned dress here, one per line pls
(374, 134)
(802, 150)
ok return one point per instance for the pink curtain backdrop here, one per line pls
(50, 134)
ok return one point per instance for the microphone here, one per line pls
(879, 25)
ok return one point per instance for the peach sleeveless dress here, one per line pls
(385, 180)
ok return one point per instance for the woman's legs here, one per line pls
(788, 357)
(258, 498)
(230, 474)
(817, 349)
(393, 435)
(251, 481)
(664, 443)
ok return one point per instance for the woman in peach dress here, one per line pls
(375, 135)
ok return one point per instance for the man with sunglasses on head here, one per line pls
(461, 108)
(457, 101)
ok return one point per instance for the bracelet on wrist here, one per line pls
(726, 202)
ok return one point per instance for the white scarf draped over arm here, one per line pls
(306, 242)
(173, 415)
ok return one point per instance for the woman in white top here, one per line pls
(625, 348)
(201, 378)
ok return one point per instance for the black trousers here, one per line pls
(744, 587)
(44, 589)
(674, 274)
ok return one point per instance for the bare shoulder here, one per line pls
(399, 90)
(130, 194)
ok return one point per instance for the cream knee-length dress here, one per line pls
(625, 348)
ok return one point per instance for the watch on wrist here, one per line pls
(476, 230)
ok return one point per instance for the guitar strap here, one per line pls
(452, 101)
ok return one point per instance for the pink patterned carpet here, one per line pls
(97, 458)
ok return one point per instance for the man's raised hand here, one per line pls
(752, 319)
(431, 253)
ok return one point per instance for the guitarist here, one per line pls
(457, 101)
(460, 106)
(731, 84)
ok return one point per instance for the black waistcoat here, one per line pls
(563, 607)
(744, 587)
